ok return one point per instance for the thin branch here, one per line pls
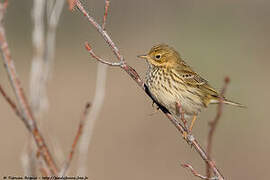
(11, 103)
(105, 35)
(54, 11)
(44, 51)
(38, 97)
(90, 50)
(213, 125)
(43, 59)
(134, 75)
(23, 105)
(195, 173)
(182, 114)
(76, 140)
(106, 8)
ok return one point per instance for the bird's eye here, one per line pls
(158, 56)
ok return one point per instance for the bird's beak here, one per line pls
(143, 56)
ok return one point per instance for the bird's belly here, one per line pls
(191, 103)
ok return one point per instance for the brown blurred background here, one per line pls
(132, 140)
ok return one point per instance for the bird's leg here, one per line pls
(180, 111)
(192, 122)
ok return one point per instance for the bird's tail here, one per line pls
(226, 101)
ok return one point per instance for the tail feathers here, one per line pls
(234, 103)
(226, 101)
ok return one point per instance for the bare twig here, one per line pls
(134, 75)
(90, 50)
(43, 51)
(54, 11)
(107, 4)
(213, 125)
(195, 173)
(23, 105)
(11, 103)
(182, 114)
(38, 97)
(76, 140)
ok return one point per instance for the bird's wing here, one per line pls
(185, 72)
(190, 77)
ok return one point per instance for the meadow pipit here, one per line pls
(172, 82)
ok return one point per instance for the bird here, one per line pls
(176, 86)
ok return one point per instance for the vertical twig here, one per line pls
(54, 11)
(106, 8)
(213, 126)
(38, 100)
(76, 140)
(41, 66)
(38, 97)
(182, 114)
(43, 51)
(10, 102)
(43, 59)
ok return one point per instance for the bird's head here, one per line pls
(161, 55)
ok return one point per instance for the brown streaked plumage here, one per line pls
(171, 80)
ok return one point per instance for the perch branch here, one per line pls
(23, 105)
(134, 75)
(213, 124)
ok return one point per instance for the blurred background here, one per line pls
(131, 139)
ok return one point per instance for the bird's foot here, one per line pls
(188, 137)
(185, 134)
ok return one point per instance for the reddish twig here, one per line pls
(213, 124)
(182, 114)
(11, 103)
(134, 75)
(106, 8)
(195, 173)
(23, 105)
(90, 50)
(76, 140)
